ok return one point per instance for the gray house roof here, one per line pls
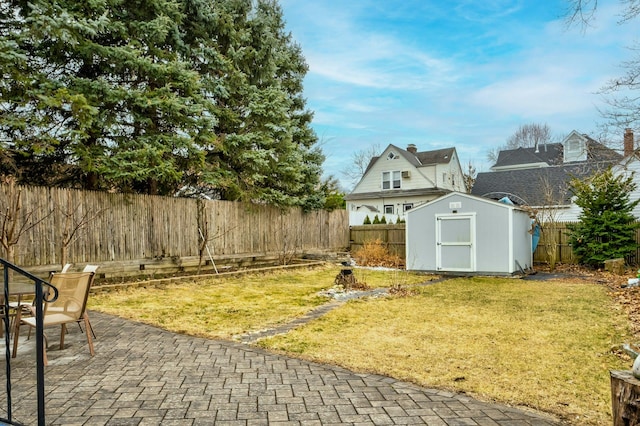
(395, 193)
(542, 186)
(548, 153)
(539, 176)
(438, 156)
(552, 154)
(420, 159)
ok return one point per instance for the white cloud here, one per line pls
(380, 84)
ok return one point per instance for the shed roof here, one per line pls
(484, 200)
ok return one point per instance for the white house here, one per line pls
(630, 166)
(401, 179)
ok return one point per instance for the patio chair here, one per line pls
(26, 305)
(70, 306)
(90, 268)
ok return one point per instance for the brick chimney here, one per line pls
(412, 148)
(628, 142)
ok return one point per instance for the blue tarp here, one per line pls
(535, 237)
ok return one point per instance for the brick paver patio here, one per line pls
(143, 375)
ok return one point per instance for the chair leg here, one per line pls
(92, 330)
(62, 332)
(89, 322)
(16, 333)
(87, 327)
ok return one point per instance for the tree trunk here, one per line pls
(625, 398)
(91, 181)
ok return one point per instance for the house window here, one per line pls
(392, 156)
(388, 209)
(391, 180)
(407, 206)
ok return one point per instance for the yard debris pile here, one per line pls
(398, 290)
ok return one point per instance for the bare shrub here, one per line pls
(375, 253)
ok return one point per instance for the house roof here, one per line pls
(395, 193)
(539, 176)
(552, 154)
(419, 159)
(535, 186)
(547, 153)
(437, 156)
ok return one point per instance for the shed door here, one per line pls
(455, 240)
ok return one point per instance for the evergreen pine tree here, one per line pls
(606, 227)
(150, 95)
(109, 102)
(264, 147)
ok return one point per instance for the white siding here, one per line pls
(372, 180)
(358, 213)
(628, 167)
(450, 175)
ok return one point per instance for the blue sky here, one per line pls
(462, 73)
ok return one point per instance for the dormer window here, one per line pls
(391, 180)
(575, 150)
(392, 156)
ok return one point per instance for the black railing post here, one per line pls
(7, 339)
(40, 352)
(39, 301)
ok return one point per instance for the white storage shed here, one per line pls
(464, 234)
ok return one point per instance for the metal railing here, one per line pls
(39, 285)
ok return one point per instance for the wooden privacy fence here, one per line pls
(550, 234)
(564, 252)
(393, 236)
(104, 227)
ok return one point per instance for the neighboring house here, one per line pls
(539, 177)
(401, 179)
(630, 166)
